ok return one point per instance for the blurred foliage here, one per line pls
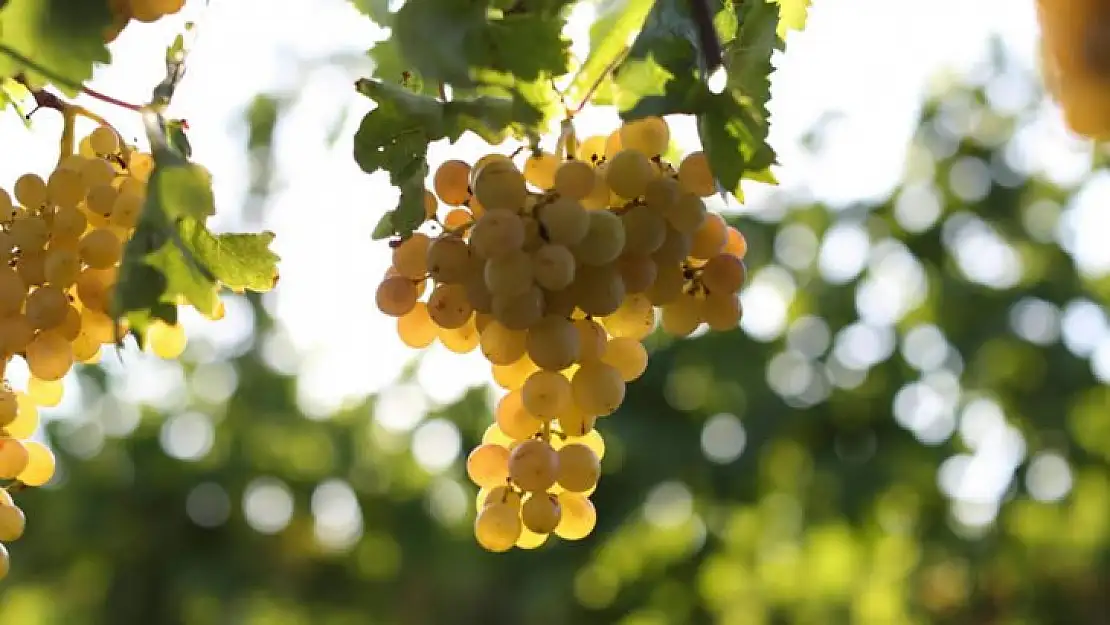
(922, 444)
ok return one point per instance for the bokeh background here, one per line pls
(911, 426)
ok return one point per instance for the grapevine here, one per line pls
(556, 267)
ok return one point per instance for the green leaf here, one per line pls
(180, 188)
(175, 136)
(55, 41)
(449, 40)
(377, 10)
(608, 42)
(384, 228)
(390, 67)
(394, 138)
(663, 75)
(240, 262)
(793, 15)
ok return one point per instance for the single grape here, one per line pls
(16, 334)
(452, 182)
(449, 307)
(579, 468)
(431, 205)
(396, 296)
(629, 173)
(553, 267)
(695, 176)
(494, 436)
(512, 418)
(644, 231)
(598, 388)
(27, 421)
(497, 527)
(591, 340)
(529, 539)
(101, 248)
(499, 185)
(635, 318)
(604, 239)
(721, 311)
(497, 232)
(61, 267)
(574, 180)
(533, 465)
(682, 316)
(12, 292)
(627, 355)
(710, 238)
(415, 328)
(46, 393)
(30, 191)
(564, 221)
(539, 170)
(599, 290)
(65, 188)
(723, 273)
(104, 140)
(462, 340)
(578, 517)
(574, 422)
(541, 513)
(40, 465)
(49, 356)
(509, 274)
(637, 271)
(457, 218)
(519, 311)
(30, 233)
(46, 307)
(165, 340)
(447, 260)
(498, 494)
(661, 194)
(8, 407)
(546, 394)
(501, 345)
(687, 214)
(13, 457)
(592, 150)
(488, 466)
(648, 136)
(553, 343)
(12, 523)
(410, 258)
(737, 245)
(511, 377)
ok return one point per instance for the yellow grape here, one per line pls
(552, 343)
(13, 457)
(27, 421)
(501, 345)
(46, 307)
(541, 513)
(40, 464)
(415, 328)
(695, 176)
(513, 420)
(599, 290)
(529, 539)
(649, 136)
(574, 180)
(497, 527)
(43, 392)
(574, 422)
(592, 149)
(498, 494)
(710, 238)
(579, 468)
(637, 272)
(447, 260)
(723, 273)
(721, 311)
(644, 231)
(511, 377)
(61, 267)
(509, 274)
(578, 516)
(682, 316)
(49, 356)
(629, 173)
(613, 144)
(65, 188)
(687, 214)
(101, 248)
(539, 170)
(634, 319)
(497, 232)
(461, 340)
(449, 307)
(519, 311)
(604, 239)
(533, 465)
(546, 394)
(410, 258)
(457, 218)
(499, 185)
(591, 339)
(9, 406)
(451, 182)
(591, 438)
(598, 388)
(553, 267)
(494, 436)
(30, 191)
(104, 140)
(12, 523)
(166, 341)
(396, 296)
(12, 292)
(488, 466)
(565, 221)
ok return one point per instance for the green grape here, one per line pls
(40, 465)
(598, 388)
(603, 242)
(565, 221)
(447, 260)
(635, 318)
(499, 185)
(165, 340)
(13, 457)
(49, 356)
(539, 170)
(627, 355)
(30, 191)
(449, 307)
(519, 311)
(533, 465)
(100, 248)
(553, 343)
(541, 513)
(629, 173)
(12, 523)
(410, 258)
(488, 466)
(721, 311)
(512, 418)
(644, 230)
(661, 193)
(599, 291)
(637, 271)
(66, 188)
(497, 527)
(579, 468)
(396, 296)
(46, 307)
(553, 267)
(546, 394)
(687, 214)
(723, 273)
(497, 232)
(695, 176)
(648, 136)
(682, 316)
(509, 274)
(415, 328)
(574, 180)
(578, 516)
(502, 346)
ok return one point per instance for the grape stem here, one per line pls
(45, 99)
(70, 112)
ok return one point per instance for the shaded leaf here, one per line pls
(62, 39)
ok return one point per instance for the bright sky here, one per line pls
(871, 61)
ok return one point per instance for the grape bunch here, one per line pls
(147, 11)
(557, 270)
(61, 241)
(1075, 50)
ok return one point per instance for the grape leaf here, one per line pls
(792, 15)
(394, 138)
(663, 75)
(376, 10)
(608, 42)
(180, 188)
(240, 262)
(390, 67)
(448, 40)
(56, 41)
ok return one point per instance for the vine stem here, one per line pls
(61, 80)
(617, 60)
